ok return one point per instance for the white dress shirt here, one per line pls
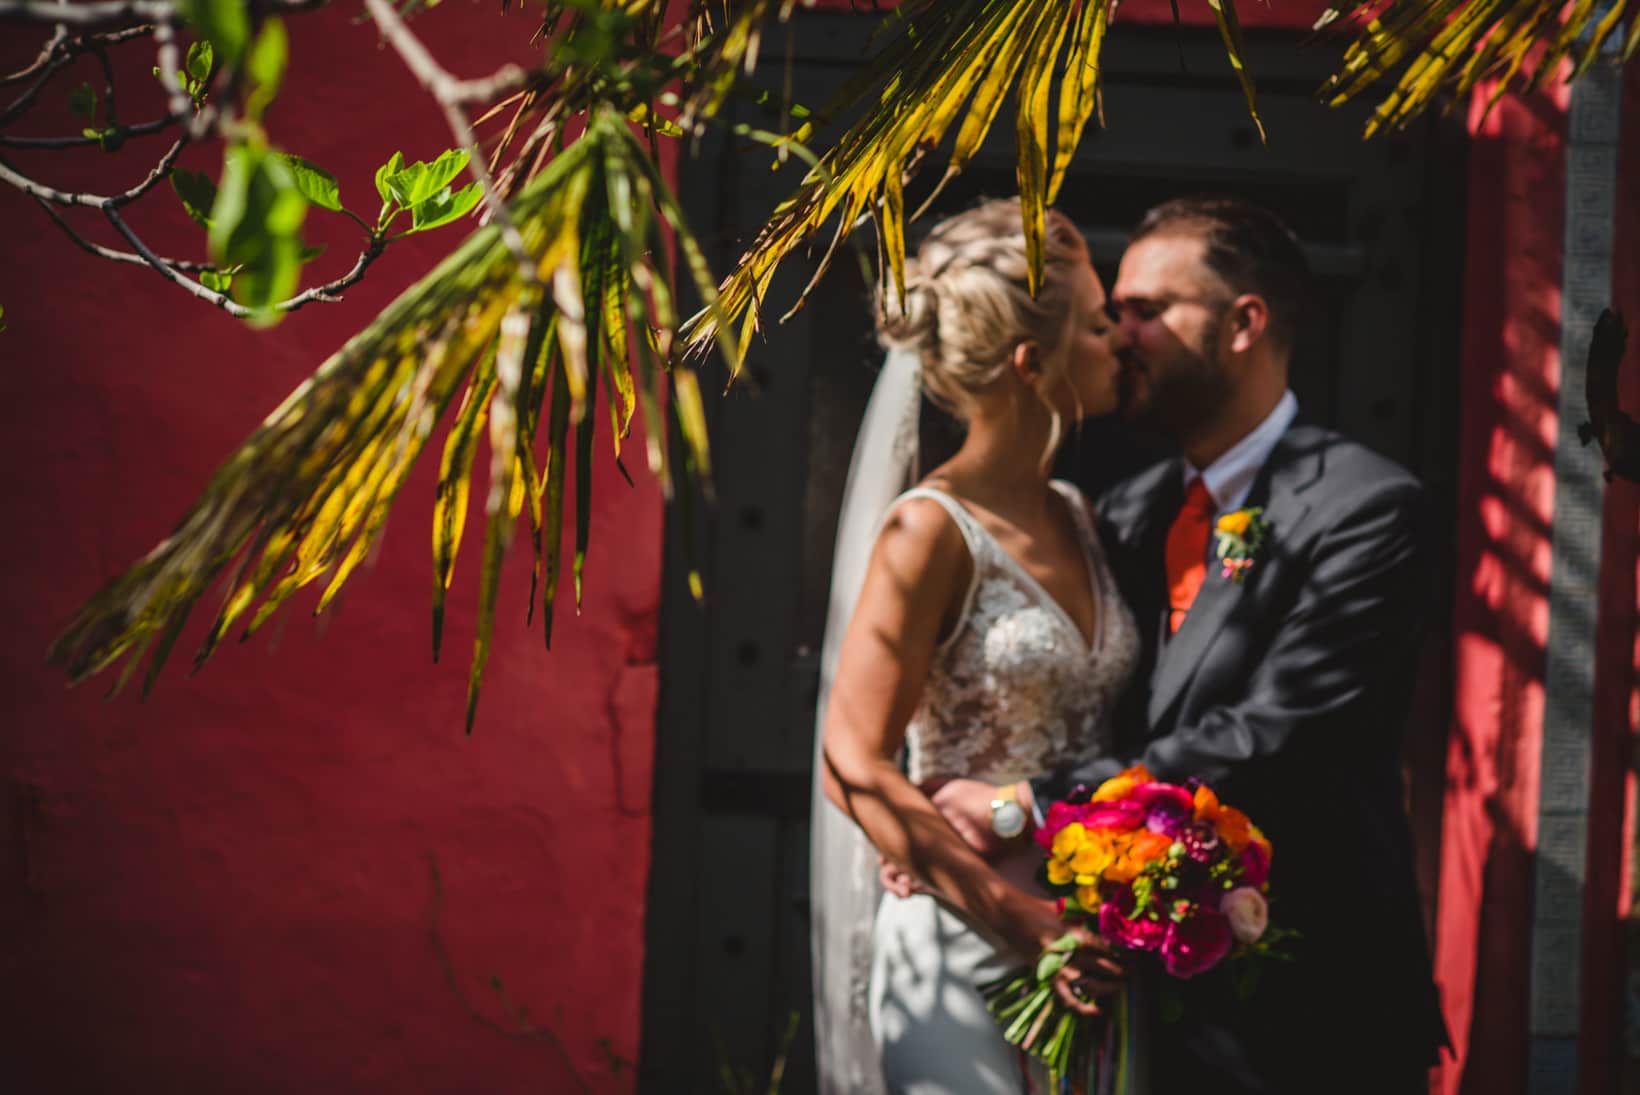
(1230, 478)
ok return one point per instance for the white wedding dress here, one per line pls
(1015, 691)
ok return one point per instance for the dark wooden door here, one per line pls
(727, 939)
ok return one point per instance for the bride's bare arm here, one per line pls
(917, 576)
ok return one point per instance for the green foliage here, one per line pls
(423, 189)
(200, 62)
(216, 282)
(266, 67)
(109, 138)
(317, 185)
(197, 193)
(82, 102)
(255, 224)
(226, 23)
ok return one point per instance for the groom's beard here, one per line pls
(1178, 396)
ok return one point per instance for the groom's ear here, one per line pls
(1249, 322)
(1027, 361)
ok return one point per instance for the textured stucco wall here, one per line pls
(228, 887)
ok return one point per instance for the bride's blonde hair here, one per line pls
(968, 304)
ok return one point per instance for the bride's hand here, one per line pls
(966, 806)
(897, 880)
(1092, 973)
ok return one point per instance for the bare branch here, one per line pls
(141, 129)
(112, 255)
(26, 99)
(328, 292)
(170, 273)
(177, 101)
(47, 53)
(28, 186)
(452, 95)
(111, 13)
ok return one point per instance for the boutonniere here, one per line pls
(1237, 539)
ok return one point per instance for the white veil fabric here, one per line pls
(843, 886)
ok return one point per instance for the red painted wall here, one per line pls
(227, 888)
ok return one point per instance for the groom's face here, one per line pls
(1170, 304)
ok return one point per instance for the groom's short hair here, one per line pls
(1247, 246)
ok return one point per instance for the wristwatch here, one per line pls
(1007, 815)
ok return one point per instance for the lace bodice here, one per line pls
(1015, 690)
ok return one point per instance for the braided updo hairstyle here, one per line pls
(967, 304)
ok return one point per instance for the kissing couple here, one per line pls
(996, 640)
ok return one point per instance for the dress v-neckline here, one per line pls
(1090, 646)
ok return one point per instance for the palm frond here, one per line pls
(940, 60)
(1449, 47)
(306, 495)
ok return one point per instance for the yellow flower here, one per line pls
(1087, 896)
(1093, 857)
(1059, 873)
(1067, 840)
(1235, 524)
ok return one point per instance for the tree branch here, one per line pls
(116, 256)
(111, 13)
(28, 186)
(170, 273)
(140, 129)
(47, 52)
(452, 94)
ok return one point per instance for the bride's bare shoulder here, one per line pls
(921, 545)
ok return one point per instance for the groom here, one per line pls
(1284, 684)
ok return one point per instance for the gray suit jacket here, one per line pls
(1288, 692)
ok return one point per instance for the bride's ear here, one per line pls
(1027, 362)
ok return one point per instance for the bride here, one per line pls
(975, 625)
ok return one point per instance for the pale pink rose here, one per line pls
(1247, 912)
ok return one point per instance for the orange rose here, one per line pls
(1235, 523)
(1234, 828)
(1121, 783)
(1207, 804)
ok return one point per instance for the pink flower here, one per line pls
(1196, 943)
(1141, 934)
(1167, 807)
(1247, 912)
(1122, 817)
(1255, 864)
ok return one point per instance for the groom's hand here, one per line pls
(966, 806)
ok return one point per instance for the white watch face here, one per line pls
(1007, 820)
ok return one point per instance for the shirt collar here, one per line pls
(1230, 478)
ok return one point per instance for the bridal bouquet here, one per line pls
(1155, 868)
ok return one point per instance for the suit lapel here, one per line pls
(1291, 468)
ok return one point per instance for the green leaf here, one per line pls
(415, 184)
(310, 253)
(224, 22)
(393, 166)
(256, 222)
(108, 138)
(82, 101)
(266, 67)
(201, 60)
(197, 192)
(214, 281)
(316, 184)
(444, 207)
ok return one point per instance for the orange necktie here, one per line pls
(1186, 553)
